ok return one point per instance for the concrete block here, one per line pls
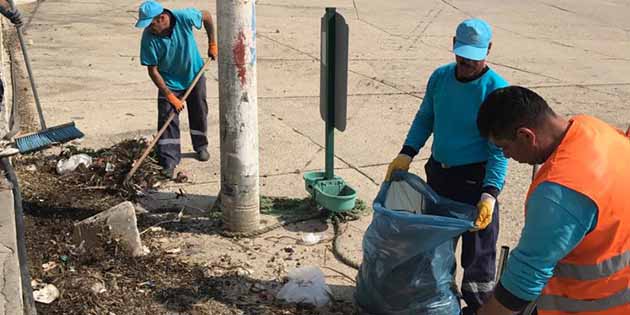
(118, 222)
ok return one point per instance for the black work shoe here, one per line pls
(168, 172)
(203, 155)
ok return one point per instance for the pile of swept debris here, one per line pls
(103, 279)
(99, 185)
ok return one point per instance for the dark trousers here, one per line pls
(169, 146)
(464, 184)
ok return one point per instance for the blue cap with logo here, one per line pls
(147, 11)
(472, 39)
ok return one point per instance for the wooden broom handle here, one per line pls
(146, 152)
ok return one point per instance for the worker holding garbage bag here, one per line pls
(463, 166)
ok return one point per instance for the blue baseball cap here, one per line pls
(472, 39)
(147, 11)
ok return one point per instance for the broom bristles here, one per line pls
(48, 137)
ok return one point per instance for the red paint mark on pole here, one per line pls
(239, 57)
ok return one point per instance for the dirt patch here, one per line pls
(99, 186)
(102, 280)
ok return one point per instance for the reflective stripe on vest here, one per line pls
(560, 303)
(592, 272)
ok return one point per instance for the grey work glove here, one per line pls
(14, 16)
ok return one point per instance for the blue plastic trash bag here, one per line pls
(408, 253)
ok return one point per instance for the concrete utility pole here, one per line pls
(238, 114)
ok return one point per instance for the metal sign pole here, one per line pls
(330, 92)
(330, 191)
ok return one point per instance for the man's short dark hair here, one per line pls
(506, 110)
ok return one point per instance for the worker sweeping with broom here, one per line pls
(169, 51)
(463, 166)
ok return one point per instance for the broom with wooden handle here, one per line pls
(146, 152)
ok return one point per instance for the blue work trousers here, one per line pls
(168, 148)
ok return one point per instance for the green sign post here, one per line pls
(328, 190)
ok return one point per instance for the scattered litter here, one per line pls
(257, 288)
(149, 284)
(9, 151)
(140, 209)
(155, 229)
(76, 141)
(311, 238)
(65, 166)
(242, 272)
(109, 167)
(92, 190)
(98, 186)
(182, 177)
(98, 288)
(77, 250)
(306, 285)
(31, 168)
(173, 250)
(37, 284)
(47, 294)
(49, 266)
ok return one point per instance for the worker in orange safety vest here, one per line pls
(573, 256)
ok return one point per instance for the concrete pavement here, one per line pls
(574, 53)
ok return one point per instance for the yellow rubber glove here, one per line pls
(213, 50)
(176, 102)
(485, 206)
(400, 163)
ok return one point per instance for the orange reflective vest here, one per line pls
(594, 278)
